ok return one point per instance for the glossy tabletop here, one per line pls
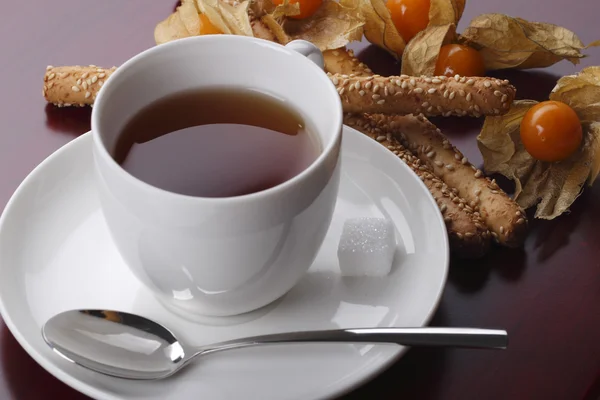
(547, 295)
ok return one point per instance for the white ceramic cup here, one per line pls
(219, 256)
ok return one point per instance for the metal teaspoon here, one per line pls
(128, 346)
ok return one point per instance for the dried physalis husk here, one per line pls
(379, 27)
(276, 29)
(285, 9)
(229, 18)
(258, 8)
(265, 10)
(421, 54)
(442, 12)
(552, 186)
(334, 25)
(184, 22)
(381, 31)
(507, 42)
(581, 92)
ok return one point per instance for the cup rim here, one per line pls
(336, 111)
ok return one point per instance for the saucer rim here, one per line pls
(94, 392)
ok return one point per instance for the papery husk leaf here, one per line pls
(421, 54)
(507, 42)
(258, 8)
(581, 92)
(495, 142)
(276, 29)
(228, 18)
(286, 9)
(380, 29)
(595, 43)
(334, 25)
(459, 6)
(593, 129)
(442, 12)
(553, 187)
(184, 22)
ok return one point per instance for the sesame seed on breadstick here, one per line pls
(74, 85)
(343, 61)
(431, 96)
(468, 235)
(505, 219)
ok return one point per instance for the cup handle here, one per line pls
(308, 50)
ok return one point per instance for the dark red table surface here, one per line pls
(546, 295)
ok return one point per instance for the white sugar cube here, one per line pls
(367, 246)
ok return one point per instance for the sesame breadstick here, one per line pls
(432, 96)
(467, 233)
(343, 61)
(74, 85)
(504, 217)
(468, 236)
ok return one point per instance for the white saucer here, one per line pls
(56, 254)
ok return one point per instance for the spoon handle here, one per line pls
(429, 336)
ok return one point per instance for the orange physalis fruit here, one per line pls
(551, 131)
(409, 16)
(457, 59)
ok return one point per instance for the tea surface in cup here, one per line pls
(216, 142)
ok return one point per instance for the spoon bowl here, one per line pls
(129, 346)
(115, 343)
